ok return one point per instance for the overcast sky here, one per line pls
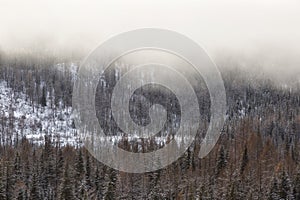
(237, 26)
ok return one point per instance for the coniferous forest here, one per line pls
(41, 157)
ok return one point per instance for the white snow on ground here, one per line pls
(18, 118)
(35, 123)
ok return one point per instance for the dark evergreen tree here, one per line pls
(79, 177)
(34, 192)
(88, 184)
(59, 172)
(79, 166)
(221, 162)
(10, 183)
(274, 193)
(47, 169)
(297, 186)
(2, 183)
(285, 186)
(245, 160)
(153, 179)
(67, 189)
(99, 184)
(44, 98)
(111, 188)
(231, 192)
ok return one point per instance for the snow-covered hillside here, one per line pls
(20, 118)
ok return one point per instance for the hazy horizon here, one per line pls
(261, 33)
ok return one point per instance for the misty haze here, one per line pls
(43, 152)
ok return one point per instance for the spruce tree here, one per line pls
(17, 166)
(79, 166)
(10, 183)
(2, 183)
(67, 189)
(274, 192)
(245, 160)
(297, 186)
(79, 174)
(231, 192)
(34, 192)
(111, 188)
(221, 162)
(285, 186)
(44, 98)
(98, 184)
(88, 172)
(59, 172)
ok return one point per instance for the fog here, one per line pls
(263, 35)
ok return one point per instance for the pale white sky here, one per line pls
(236, 25)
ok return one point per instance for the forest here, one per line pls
(41, 157)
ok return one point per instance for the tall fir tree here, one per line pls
(285, 186)
(44, 98)
(112, 184)
(67, 185)
(88, 184)
(34, 192)
(297, 186)
(79, 174)
(222, 161)
(245, 160)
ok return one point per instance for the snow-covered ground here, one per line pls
(19, 118)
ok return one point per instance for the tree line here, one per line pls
(257, 156)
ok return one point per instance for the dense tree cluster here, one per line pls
(257, 156)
